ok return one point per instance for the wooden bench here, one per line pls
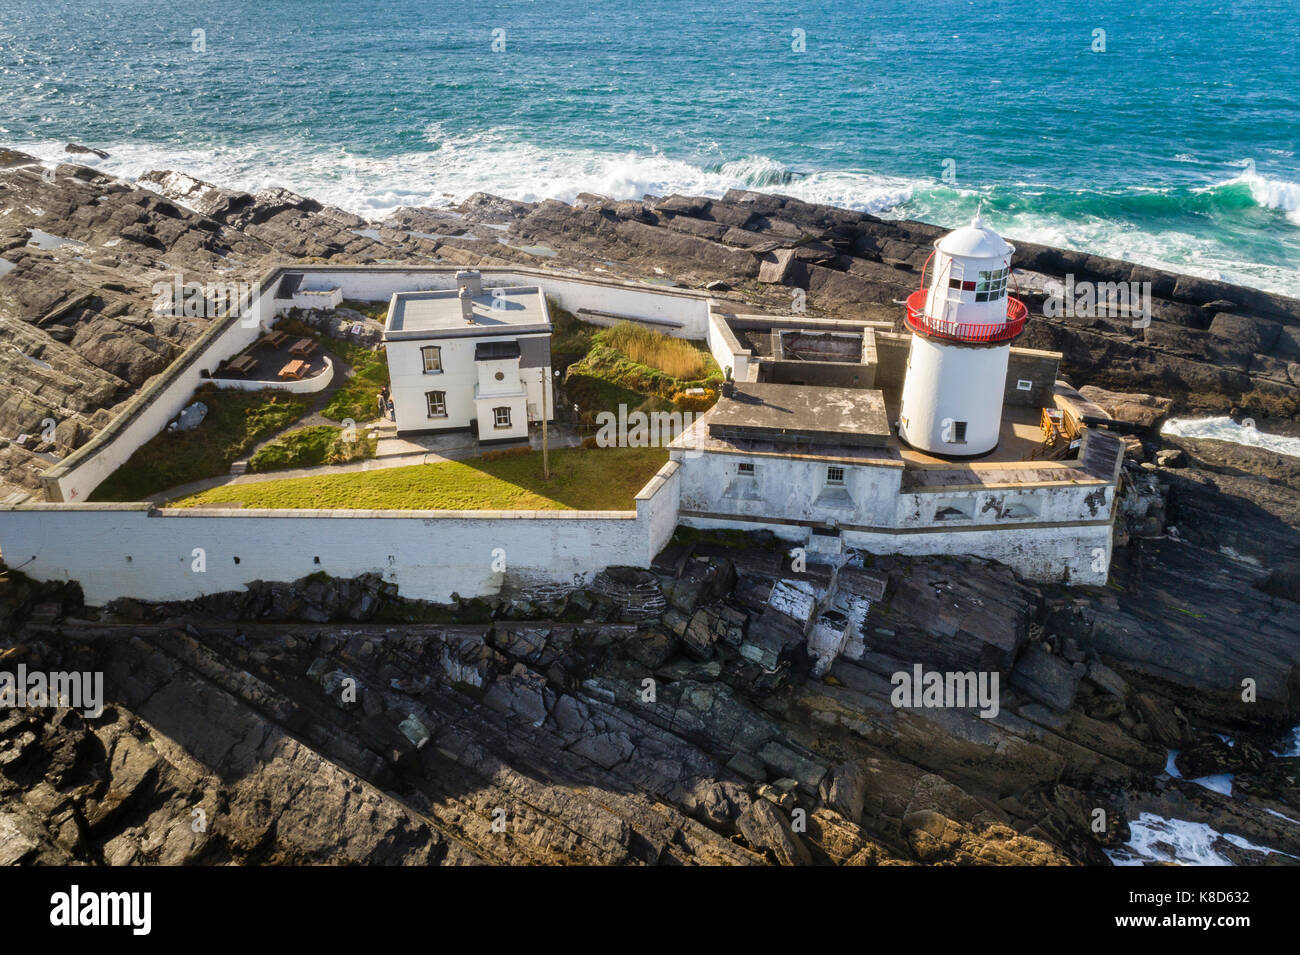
(242, 365)
(275, 339)
(302, 347)
(296, 369)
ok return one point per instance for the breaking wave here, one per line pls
(1225, 429)
(1230, 231)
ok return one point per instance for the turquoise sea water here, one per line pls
(1177, 145)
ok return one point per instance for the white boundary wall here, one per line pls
(134, 550)
(573, 292)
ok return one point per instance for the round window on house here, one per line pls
(501, 376)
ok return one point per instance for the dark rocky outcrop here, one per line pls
(660, 717)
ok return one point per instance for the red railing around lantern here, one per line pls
(965, 331)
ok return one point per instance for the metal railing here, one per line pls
(1017, 314)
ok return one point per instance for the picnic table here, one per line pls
(242, 365)
(303, 347)
(296, 369)
(276, 339)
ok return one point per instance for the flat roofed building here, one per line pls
(470, 358)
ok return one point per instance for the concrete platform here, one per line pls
(802, 415)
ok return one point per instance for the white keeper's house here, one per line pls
(469, 359)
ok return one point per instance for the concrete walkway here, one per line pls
(391, 452)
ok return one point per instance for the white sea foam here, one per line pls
(457, 165)
(1294, 748)
(1280, 194)
(1171, 250)
(1219, 784)
(488, 162)
(1225, 429)
(1154, 838)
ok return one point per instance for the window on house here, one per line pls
(958, 433)
(954, 275)
(501, 417)
(432, 356)
(745, 470)
(437, 403)
(1024, 384)
(834, 475)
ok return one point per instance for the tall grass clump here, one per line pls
(672, 356)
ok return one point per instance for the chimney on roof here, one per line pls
(466, 305)
(471, 279)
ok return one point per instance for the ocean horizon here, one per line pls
(1157, 148)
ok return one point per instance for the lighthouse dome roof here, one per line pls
(974, 241)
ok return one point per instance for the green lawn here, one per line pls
(235, 422)
(581, 479)
(310, 447)
(606, 362)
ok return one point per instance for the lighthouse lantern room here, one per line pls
(962, 327)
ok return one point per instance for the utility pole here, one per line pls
(546, 456)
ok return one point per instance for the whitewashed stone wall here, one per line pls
(76, 477)
(1053, 532)
(132, 550)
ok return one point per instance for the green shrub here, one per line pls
(607, 377)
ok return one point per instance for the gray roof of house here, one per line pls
(437, 314)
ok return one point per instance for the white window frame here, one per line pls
(991, 284)
(441, 401)
(746, 469)
(835, 475)
(497, 415)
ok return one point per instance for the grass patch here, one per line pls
(570, 335)
(235, 422)
(675, 357)
(310, 447)
(606, 376)
(581, 479)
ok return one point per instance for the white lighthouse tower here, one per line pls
(962, 327)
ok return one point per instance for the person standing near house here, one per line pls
(382, 399)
